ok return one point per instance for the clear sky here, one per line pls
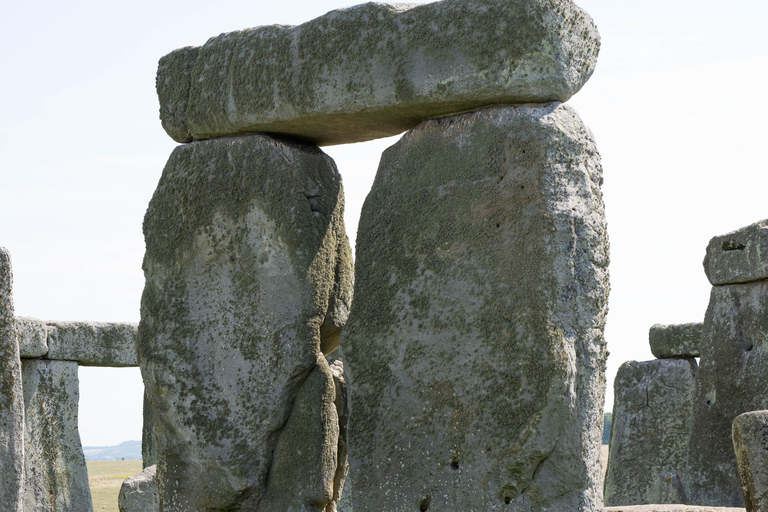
(676, 105)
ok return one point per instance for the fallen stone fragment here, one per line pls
(475, 347)
(11, 397)
(671, 508)
(650, 432)
(139, 492)
(750, 444)
(248, 279)
(93, 343)
(739, 256)
(33, 337)
(679, 340)
(375, 70)
(730, 381)
(56, 478)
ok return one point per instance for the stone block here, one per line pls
(148, 437)
(33, 337)
(56, 478)
(678, 340)
(730, 381)
(650, 432)
(248, 280)
(376, 70)
(11, 397)
(739, 256)
(139, 492)
(475, 350)
(671, 508)
(93, 343)
(750, 445)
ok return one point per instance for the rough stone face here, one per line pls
(56, 479)
(93, 343)
(11, 397)
(139, 492)
(375, 70)
(750, 444)
(475, 351)
(148, 438)
(33, 337)
(248, 280)
(650, 432)
(730, 381)
(680, 340)
(671, 508)
(739, 256)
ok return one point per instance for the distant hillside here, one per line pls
(129, 450)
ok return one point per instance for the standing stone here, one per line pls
(56, 478)
(650, 432)
(681, 340)
(33, 337)
(248, 280)
(375, 70)
(139, 492)
(475, 346)
(750, 444)
(148, 437)
(730, 381)
(11, 397)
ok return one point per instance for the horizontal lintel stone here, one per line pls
(376, 70)
(740, 256)
(676, 340)
(93, 343)
(33, 337)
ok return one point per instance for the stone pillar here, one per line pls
(650, 432)
(750, 444)
(56, 478)
(734, 360)
(11, 398)
(474, 349)
(139, 492)
(248, 279)
(148, 438)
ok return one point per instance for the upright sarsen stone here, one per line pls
(11, 398)
(56, 478)
(474, 349)
(750, 445)
(248, 281)
(650, 432)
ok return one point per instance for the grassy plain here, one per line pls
(105, 478)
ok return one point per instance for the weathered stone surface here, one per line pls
(148, 438)
(248, 274)
(375, 70)
(671, 508)
(678, 340)
(750, 445)
(475, 351)
(650, 432)
(730, 381)
(33, 337)
(11, 397)
(739, 256)
(139, 492)
(56, 479)
(93, 343)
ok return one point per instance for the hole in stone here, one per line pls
(750, 347)
(424, 506)
(507, 500)
(522, 187)
(455, 461)
(709, 402)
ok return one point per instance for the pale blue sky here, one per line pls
(676, 105)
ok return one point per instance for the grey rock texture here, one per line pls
(93, 343)
(148, 437)
(730, 381)
(248, 280)
(474, 350)
(139, 492)
(750, 445)
(11, 397)
(375, 70)
(650, 432)
(33, 337)
(739, 256)
(671, 508)
(677, 340)
(56, 478)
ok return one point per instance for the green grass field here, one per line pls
(105, 478)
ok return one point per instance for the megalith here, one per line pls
(139, 492)
(375, 70)
(650, 432)
(676, 340)
(474, 349)
(11, 397)
(750, 445)
(56, 478)
(33, 337)
(248, 281)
